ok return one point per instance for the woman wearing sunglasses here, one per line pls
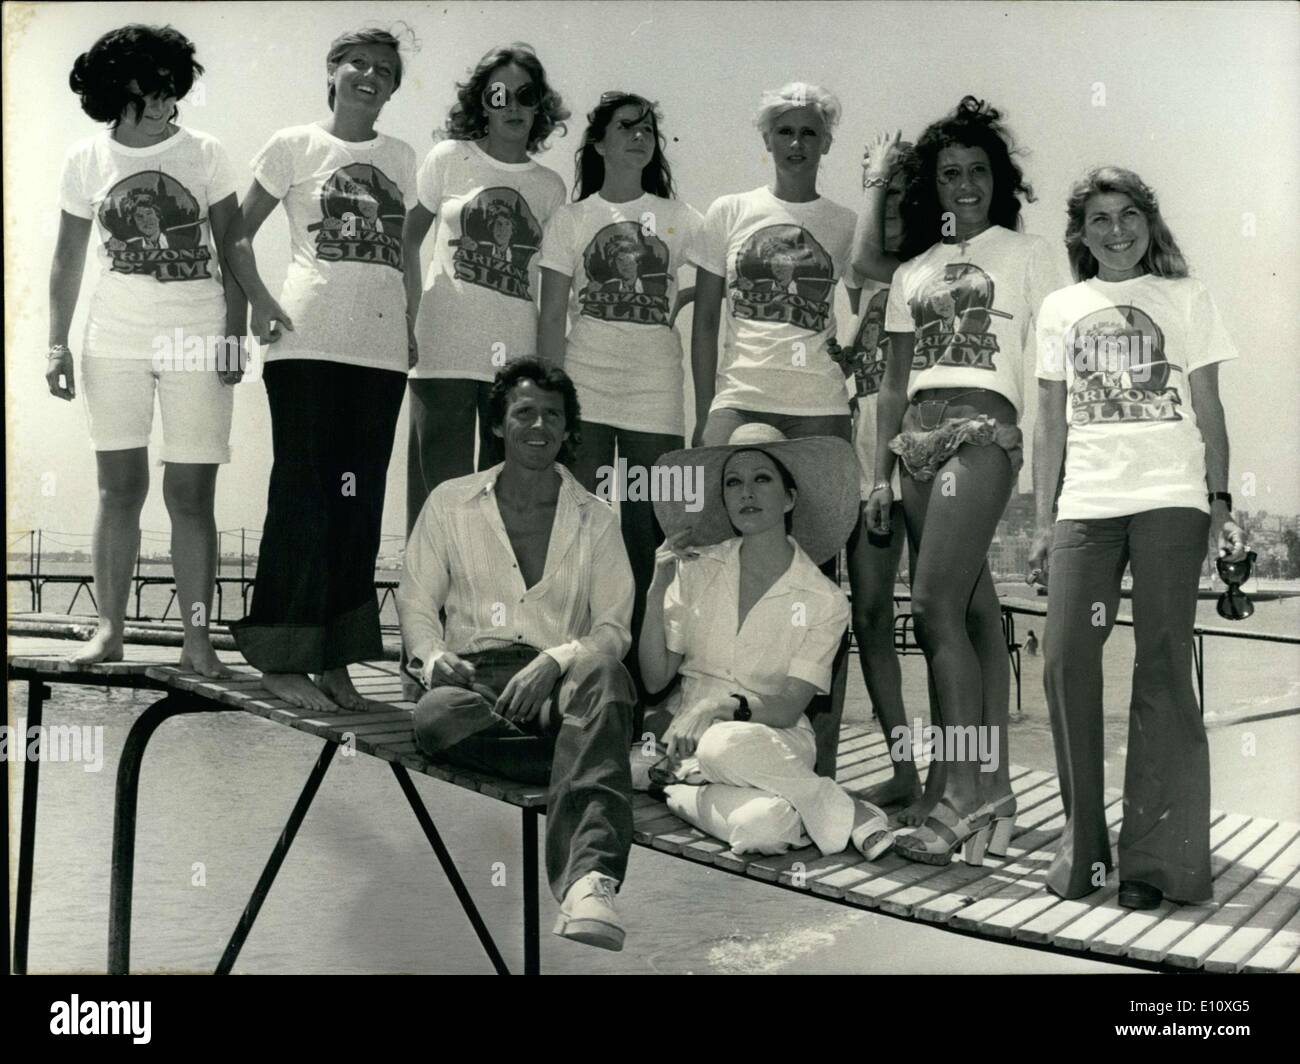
(490, 201)
(776, 254)
(339, 347)
(1134, 348)
(609, 265)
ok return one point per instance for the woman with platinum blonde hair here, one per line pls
(776, 254)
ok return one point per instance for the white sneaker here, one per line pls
(587, 913)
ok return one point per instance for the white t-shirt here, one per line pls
(867, 335)
(157, 260)
(479, 307)
(623, 259)
(971, 307)
(1126, 350)
(781, 262)
(346, 202)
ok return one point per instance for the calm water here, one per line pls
(362, 892)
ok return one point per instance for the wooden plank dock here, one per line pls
(1253, 924)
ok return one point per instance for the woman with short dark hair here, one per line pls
(163, 320)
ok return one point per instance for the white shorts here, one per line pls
(196, 408)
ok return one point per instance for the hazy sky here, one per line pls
(1200, 98)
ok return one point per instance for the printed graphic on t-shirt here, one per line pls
(499, 237)
(363, 215)
(870, 346)
(155, 228)
(627, 276)
(783, 275)
(953, 312)
(1120, 369)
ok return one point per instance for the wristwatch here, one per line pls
(742, 710)
(1224, 495)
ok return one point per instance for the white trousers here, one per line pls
(763, 794)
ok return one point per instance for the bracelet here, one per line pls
(1215, 496)
(883, 484)
(874, 182)
(58, 351)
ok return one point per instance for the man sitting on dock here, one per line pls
(525, 679)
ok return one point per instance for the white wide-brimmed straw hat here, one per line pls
(825, 471)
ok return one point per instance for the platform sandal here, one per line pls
(872, 838)
(943, 833)
(1003, 815)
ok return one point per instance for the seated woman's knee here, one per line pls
(726, 740)
(767, 824)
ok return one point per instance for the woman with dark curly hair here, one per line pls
(610, 266)
(960, 324)
(335, 375)
(1134, 350)
(490, 200)
(162, 198)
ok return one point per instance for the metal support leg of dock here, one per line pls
(37, 693)
(449, 868)
(124, 814)
(273, 863)
(532, 920)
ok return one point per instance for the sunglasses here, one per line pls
(1234, 604)
(623, 97)
(496, 97)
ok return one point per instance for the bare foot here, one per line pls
(296, 689)
(199, 657)
(104, 645)
(338, 685)
(894, 790)
(936, 780)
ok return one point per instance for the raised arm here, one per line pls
(553, 315)
(65, 285)
(878, 165)
(704, 345)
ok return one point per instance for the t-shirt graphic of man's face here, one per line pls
(154, 227)
(1120, 369)
(783, 274)
(627, 276)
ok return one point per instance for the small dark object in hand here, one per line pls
(1234, 604)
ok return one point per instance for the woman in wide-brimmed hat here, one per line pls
(738, 608)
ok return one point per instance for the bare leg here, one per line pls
(916, 499)
(188, 490)
(963, 516)
(873, 568)
(123, 485)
